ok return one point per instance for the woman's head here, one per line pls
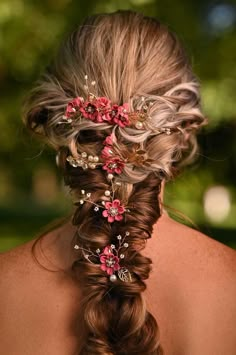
(129, 56)
(137, 61)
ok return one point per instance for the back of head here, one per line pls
(120, 105)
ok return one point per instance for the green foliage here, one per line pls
(31, 31)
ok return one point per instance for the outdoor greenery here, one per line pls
(31, 190)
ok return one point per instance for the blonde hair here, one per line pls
(130, 56)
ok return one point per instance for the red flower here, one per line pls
(108, 140)
(113, 211)
(74, 106)
(103, 106)
(114, 165)
(109, 261)
(103, 103)
(95, 108)
(107, 152)
(89, 110)
(112, 113)
(119, 115)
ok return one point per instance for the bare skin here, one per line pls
(191, 292)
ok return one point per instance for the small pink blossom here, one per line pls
(113, 211)
(108, 140)
(109, 261)
(74, 106)
(114, 165)
(95, 108)
(106, 152)
(89, 110)
(112, 113)
(103, 105)
(120, 115)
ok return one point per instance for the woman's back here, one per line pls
(191, 292)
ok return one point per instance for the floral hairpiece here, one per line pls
(96, 109)
(101, 110)
(112, 208)
(110, 258)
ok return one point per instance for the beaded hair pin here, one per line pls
(100, 110)
(110, 258)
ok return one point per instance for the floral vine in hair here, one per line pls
(113, 209)
(97, 109)
(102, 110)
(110, 259)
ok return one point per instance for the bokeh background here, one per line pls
(31, 189)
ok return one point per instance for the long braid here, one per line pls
(115, 314)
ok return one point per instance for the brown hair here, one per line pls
(129, 56)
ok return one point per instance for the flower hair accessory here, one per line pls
(110, 259)
(112, 208)
(100, 109)
(111, 159)
(97, 109)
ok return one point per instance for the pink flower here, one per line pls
(103, 105)
(74, 106)
(95, 108)
(114, 165)
(109, 261)
(113, 211)
(112, 113)
(119, 115)
(108, 140)
(89, 110)
(106, 152)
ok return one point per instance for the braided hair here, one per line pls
(135, 60)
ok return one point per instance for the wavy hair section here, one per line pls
(132, 58)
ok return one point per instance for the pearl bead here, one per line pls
(110, 176)
(96, 159)
(92, 166)
(113, 278)
(76, 247)
(90, 158)
(107, 193)
(84, 155)
(139, 125)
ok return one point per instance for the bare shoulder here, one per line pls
(36, 301)
(197, 289)
(194, 251)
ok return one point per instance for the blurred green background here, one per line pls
(31, 189)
